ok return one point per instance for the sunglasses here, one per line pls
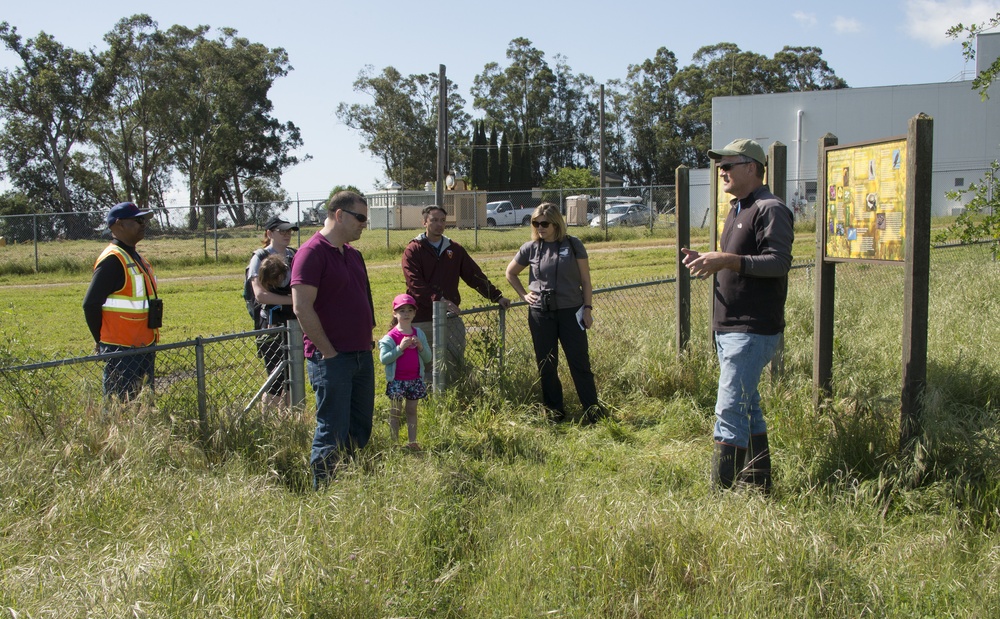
(725, 167)
(541, 224)
(142, 221)
(359, 216)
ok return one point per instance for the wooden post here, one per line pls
(713, 242)
(919, 157)
(442, 138)
(826, 275)
(682, 211)
(777, 179)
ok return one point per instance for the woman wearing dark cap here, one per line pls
(274, 304)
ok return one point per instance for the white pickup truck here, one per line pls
(504, 213)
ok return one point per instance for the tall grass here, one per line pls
(131, 511)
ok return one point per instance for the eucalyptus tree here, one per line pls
(725, 70)
(399, 126)
(717, 70)
(47, 106)
(619, 138)
(803, 68)
(224, 133)
(134, 137)
(518, 97)
(657, 145)
(572, 121)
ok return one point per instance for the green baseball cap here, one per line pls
(742, 147)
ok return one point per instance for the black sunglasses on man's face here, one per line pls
(725, 167)
(362, 218)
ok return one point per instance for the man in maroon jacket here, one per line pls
(432, 265)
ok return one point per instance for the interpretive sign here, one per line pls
(866, 201)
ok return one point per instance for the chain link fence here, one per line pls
(202, 384)
(210, 382)
(229, 233)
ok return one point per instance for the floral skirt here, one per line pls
(406, 389)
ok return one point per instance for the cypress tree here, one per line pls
(493, 182)
(505, 163)
(479, 171)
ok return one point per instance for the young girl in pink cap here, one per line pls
(404, 351)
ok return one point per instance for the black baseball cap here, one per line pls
(277, 223)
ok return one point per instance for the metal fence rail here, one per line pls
(210, 381)
(221, 232)
(196, 381)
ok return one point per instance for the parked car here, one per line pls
(625, 215)
(505, 213)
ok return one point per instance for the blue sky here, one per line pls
(868, 43)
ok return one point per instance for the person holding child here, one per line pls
(404, 351)
(559, 308)
(273, 293)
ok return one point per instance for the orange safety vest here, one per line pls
(125, 314)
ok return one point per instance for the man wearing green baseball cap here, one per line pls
(751, 284)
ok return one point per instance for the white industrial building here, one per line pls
(966, 128)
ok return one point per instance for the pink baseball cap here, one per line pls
(403, 299)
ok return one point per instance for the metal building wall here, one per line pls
(966, 128)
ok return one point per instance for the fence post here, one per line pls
(824, 288)
(296, 364)
(778, 177)
(682, 212)
(34, 233)
(440, 337)
(503, 337)
(199, 360)
(916, 287)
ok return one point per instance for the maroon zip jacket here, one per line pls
(431, 277)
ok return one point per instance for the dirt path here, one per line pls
(487, 258)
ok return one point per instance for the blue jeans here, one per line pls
(123, 376)
(345, 404)
(742, 357)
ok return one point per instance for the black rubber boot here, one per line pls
(757, 472)
(727, 462)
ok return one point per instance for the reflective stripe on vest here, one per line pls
(126, 312)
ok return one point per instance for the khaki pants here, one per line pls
(454, 355)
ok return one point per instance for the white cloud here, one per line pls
(846, 25)
(804, 19)
(928, 20)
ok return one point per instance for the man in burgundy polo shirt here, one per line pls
(331, 296)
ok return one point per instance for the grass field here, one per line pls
(128, 513)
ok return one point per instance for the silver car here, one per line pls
(625, 215)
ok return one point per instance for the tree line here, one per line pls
(537, 119)
(83, 129)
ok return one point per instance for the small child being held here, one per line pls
(272, 274)
(404, 351)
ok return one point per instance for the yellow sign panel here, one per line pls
(866, 201)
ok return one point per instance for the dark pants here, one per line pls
(123, 376)
(271, 348)
(548, 330)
